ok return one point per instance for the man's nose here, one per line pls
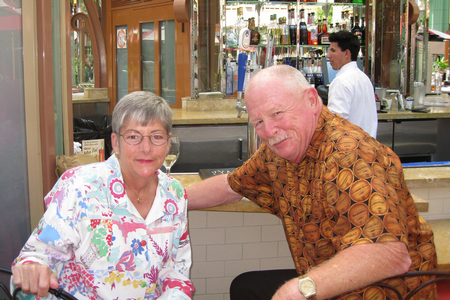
(270, 129)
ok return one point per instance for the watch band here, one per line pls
(307, 287)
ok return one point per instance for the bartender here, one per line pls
(351, 93)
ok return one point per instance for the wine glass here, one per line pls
(172, 155)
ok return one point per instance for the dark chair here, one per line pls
(438, 276)
(59, 292)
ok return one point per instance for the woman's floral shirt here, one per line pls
(99, 246)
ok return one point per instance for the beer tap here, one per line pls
(242, 62)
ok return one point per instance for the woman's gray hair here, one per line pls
(141, 107)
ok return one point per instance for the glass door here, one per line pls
(146, 54)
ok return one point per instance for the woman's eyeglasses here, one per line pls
(133, 138)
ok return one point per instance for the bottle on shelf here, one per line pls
(254, 34)
(318, 75)
(356, 30)
(284, 30)
(272, 29)
(309, 71)
(363, 31)
(229, 77)
(235, 75)
(319, 30)
(337, 27)
(323, 36)
(313, 29)
(240, 24)
(302, 29)
(248, 73)
(308, 26)
(352, 24)
(292, 25)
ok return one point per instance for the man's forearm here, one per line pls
(211, 192)
(355, 267)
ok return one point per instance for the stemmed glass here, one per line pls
(172, 155)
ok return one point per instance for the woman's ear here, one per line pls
(115, 143)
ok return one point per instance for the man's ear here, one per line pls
(313, 99)
(348, 54)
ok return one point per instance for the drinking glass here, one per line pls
(172, 155)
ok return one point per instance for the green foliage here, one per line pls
(441, 62)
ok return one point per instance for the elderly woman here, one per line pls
(115, 229)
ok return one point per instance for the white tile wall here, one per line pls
(226, 244)
(438, 202)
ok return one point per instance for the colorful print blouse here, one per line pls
(99, 246)
(348, 190)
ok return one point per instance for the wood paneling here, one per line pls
(46, 106)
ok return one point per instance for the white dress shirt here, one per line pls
(352, 96)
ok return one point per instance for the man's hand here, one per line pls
(34, 278)
(289, 291)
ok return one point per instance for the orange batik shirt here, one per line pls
(348, 190)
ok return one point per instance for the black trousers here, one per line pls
(259, 285)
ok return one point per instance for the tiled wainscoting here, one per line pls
(226, 244)
(438, 202)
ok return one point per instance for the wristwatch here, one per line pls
(307, 287)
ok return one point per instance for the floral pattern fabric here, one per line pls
(99, 246)
(348, 190)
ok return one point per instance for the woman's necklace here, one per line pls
(139, 200)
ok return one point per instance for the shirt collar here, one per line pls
(349, 65)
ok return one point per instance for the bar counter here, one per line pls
(222, 111)
(414, 177)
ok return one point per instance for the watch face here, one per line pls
(307, 287)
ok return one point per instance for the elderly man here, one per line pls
(349, 218)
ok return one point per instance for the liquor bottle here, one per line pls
(254, 35)
(323, 36)
(319, 30)
(352, 24)
(272, 28)
(302, 29)
(356, 30)
(229, 77)
(331, 30)
(240, 23)
(363, 31)
(248, 74)
(313, 30)
(277, 32)
(292, 25)
(284, 29)
(308, 25)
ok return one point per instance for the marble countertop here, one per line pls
(186, 117)
(222, 111)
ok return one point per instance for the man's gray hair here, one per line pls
(293, 79)
(141, 107)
